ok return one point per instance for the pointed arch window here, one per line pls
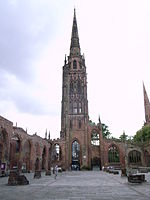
(80, 108)
(75, 108)
(74, 64)
(113, 154)
(75, 151)
(134, 157)
(79, 87)
(70, 124)
(80, 124)
(56, 153)
(17, 146)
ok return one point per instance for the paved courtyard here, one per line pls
(76, 185)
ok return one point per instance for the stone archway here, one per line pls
(44, 153)
(49, 159)
(37, 164)
(37, 149)
(96, 163)
(56, 153)
(26, 156)
(1, 153)
(15, 151)
(4, 154)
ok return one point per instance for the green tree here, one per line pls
(105, 131)
(123, 137)
(143, 134)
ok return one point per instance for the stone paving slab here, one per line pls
(96, 185)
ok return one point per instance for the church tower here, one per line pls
(146, 106)
(74, 108)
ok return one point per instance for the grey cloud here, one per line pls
(24, 28)
(22, 96)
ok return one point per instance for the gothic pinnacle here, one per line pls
(75, 46)
(146, 105)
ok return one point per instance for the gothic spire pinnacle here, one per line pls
(75, 46)
(46, 134)
(65, 60)
(146, 105)
(49, 135)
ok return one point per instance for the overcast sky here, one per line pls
(34, 38)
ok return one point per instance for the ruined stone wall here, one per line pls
(33, 148)
(6, 130)
(19, 149)
(121, 148)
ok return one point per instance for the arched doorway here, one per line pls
(49, 159)
(26, 156)
(56, 153)
(15, 152)
(37, 164)
(95, 164)
(4, 155)
(75, 156)
(1, 153)
(44, 159)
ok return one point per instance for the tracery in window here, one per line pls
(134, 157)
(95, 138)
(113, 154)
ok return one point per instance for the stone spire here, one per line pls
(49, 135)
(75, 45)
(146, 106)
(46, 134)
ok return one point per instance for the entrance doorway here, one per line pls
(96, 164)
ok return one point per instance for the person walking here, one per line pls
(56, 171)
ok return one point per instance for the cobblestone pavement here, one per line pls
(76, 185)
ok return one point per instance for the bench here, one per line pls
(112, 171)
(136, 178)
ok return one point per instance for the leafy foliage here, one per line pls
(143, 134)
(105, 131)
(123, 137)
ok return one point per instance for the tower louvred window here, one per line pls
(71, 87)
(74, 64)
(79, 87)
(75, 108)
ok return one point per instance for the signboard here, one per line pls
(3, 166)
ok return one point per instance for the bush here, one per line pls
(85, 167)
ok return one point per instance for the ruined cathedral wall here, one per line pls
(107, 143)
(6, 130)
(18, 148)
(33, 147)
